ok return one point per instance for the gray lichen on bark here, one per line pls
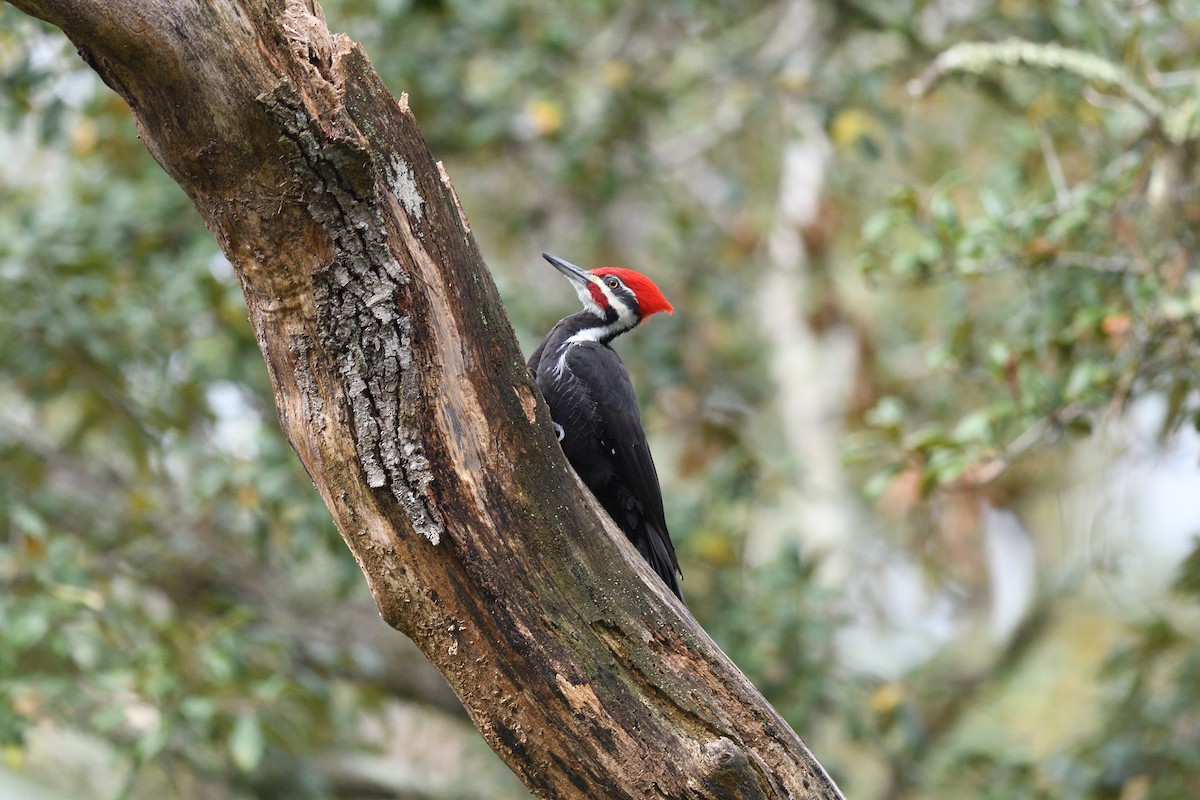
(361, 301)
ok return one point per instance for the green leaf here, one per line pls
(877, 225)
(198, 708)
(28, 520)
(878, 483)
(888, 413)
(153, 741)
(1080, 425)
(945, 215)
(999, 354)
(928, 439)
(974, 427)
(1188, 581)
(1080, 380)
(246, 743)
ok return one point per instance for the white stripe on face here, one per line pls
(585, 296)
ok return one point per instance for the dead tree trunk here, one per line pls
(399, 384)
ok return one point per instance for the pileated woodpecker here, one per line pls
(595, 411)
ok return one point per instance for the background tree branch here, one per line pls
(399, 384)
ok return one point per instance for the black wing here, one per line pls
(632, 495)
(535, 357)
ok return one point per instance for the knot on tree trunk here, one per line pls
(725, 772)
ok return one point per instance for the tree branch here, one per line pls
(400, 386)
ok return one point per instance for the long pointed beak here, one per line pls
(576, 274)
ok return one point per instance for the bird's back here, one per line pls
(595, 412)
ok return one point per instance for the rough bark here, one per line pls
(399, 383)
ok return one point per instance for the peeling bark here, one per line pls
(400, 386)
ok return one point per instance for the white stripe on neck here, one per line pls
(597, 333)
(626, 320)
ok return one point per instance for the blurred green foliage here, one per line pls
(1087, 277)
(1015, 252)
(135, 531)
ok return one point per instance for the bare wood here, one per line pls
(399, 383)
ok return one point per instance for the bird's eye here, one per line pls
(612, 282)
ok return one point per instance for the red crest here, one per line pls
(650, 299)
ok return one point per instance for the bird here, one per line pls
(594, 408)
